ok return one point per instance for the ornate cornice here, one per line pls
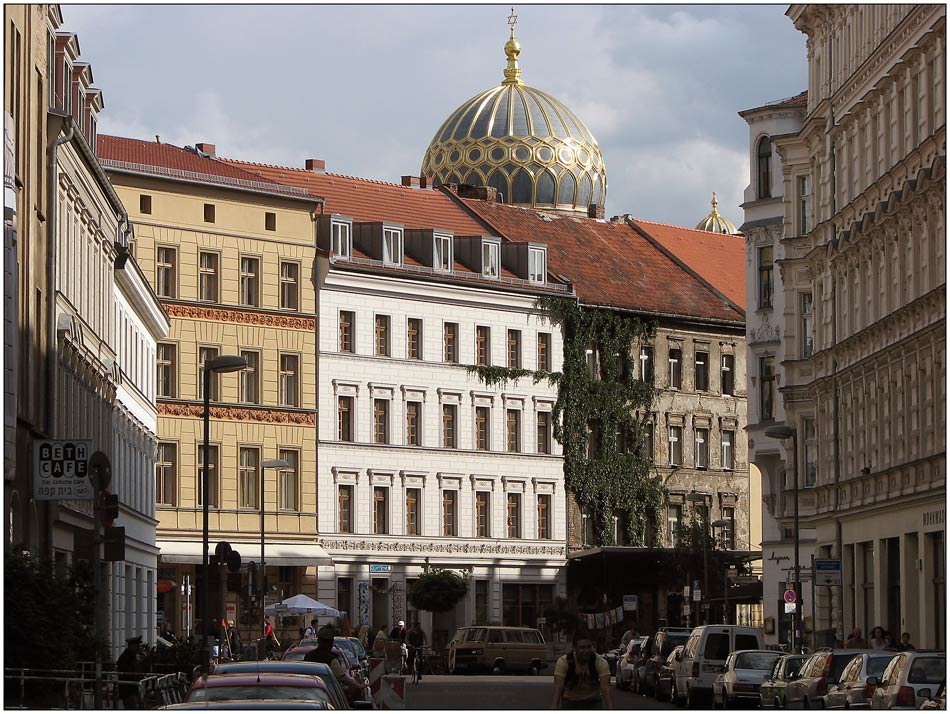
(457, 547)
(273, 416)
(237, 315)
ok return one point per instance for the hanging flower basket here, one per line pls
(437, 591)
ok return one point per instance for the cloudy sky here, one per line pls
(365, 87)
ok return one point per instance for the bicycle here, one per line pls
(418, 663)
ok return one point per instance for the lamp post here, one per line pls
(722, 523)
(266, 464)
(694, 497)
(216, 365)
(783, 433)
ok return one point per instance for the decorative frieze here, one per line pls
(239, 316)
(273, 416)
(427, 547)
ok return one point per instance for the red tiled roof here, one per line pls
(797, 100)
(366, 200)
(609, 263)
(718, 258)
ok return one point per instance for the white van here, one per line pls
(705, 654)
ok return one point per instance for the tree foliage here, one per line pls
(437, 591)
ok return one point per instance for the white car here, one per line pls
(905, 678)
(629, 661)
(742, 677)
(705, 654)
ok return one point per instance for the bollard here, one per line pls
(377, 666)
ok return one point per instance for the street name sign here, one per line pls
(789, 607)
(827, 572)
(373, 568)
(60, 470)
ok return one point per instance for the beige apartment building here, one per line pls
(232, 259)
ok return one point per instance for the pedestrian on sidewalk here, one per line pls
(129, 666)
(582, 677)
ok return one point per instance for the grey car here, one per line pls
(820, 672)
(854, 690)
(315, 669)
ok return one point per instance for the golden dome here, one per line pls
(521, 141)
(715, 222)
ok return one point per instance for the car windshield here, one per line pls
(876, 665)
(251, 691)
(792, 665)
(927, 670)
(670, 642)
(838, 663)
(757, 660)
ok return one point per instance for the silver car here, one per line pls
(741, 678)
(906, 677)
(853, 690)
(629, 662)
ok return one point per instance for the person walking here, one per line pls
(878, 640)
(234, 640)
(129, 665)
(856, 641)
(270, 639)
(311, 630)
(905, 645)
(379, 642)
(398, 632)
(416, 639)
(582, 677)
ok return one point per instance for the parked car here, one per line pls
(705, 654)
(853, 691)
(741, 678)
(906, 678)
(630, 662)
(228, 687)
(666, 675)
(241, 704)
(938, 700)
(493, 648)
(817, 675)
(314, 669)
(772, 691)
(654, 656)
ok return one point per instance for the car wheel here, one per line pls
(535, 669)
(674, 695)
(499, 668)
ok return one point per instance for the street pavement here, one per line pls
(448, 692)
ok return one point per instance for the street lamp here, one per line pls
(783, 433)
(694, 497)
(266, 464)
(216, 365)
(723, 523)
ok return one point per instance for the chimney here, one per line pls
(205, 148)
(595, 211)
(427, 182)
(412, 181)
(318, 166)
(489, 194)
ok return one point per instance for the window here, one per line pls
(449, 426)
(482, 514)
(250, 278)
(674, 522)
(513, 429)
(765, 277)
(346, 331)
(482, 345)
(381, 421)
(811, 452)
(648, 439)
(344, 594)
(344, 495)
(728, 454)
(767, 388)
(345, 418)
(380, 509)
(544, 516)
(414, 338)
(727, 536)
(676, 369)
(209, 213)
(808, 339)
(702, 448)
(247, 477)
(166, 471)
(250, 378)
(443, 252)
(514, 349)
(450, 335)
(449, 513)
(166, 271)
(145, 203)
(482, 601)
(270, 221)
(544, 432)
(208, 277)
(646, 364)
(514, 515)
(392, 246)
(537, 268)
(544, 351)
(212, 475)
(340, 239)
(702, 372)
(289, 389)
(804, 202)
(413, 417)
(382, 335)
(413, 511)
(676, 446)
(289, 285)
(205, 354)
(764, 168)
(287, 480)
(482, 428)
(728, 374)
(167, 368)
(491, 259)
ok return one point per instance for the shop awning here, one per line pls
(190, 552)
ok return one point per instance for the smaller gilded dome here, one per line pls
(716, 223)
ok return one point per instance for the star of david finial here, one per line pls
(512, 20)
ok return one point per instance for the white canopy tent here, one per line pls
(302, 605)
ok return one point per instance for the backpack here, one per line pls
(570, 681)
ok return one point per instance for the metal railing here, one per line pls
(78, 687)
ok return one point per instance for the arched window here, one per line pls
(566, 189)
(521, 187)
(499, 181)
(545, 188)
(764, 170)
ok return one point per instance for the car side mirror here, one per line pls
(872, 681)
(925, 693)
(794, 676)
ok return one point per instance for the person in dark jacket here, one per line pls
(129, 667)
(398, 632)
(324, 653)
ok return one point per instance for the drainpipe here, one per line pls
(839, 546)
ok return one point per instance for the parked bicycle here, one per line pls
(420, 657)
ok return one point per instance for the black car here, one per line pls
(657, 650)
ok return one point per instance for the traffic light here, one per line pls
(108, 508)
(114, 544)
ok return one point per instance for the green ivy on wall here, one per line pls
(599, 415)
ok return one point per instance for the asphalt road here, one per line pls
(449, 692)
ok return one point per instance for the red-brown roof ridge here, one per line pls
(308, 171)
(679, 228)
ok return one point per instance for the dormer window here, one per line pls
(442, 252)
(340, 238)
(491, 259)
(537, 265)
(392, 246)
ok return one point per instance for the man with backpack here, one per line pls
(582, 677)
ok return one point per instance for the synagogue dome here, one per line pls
(715, 222)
